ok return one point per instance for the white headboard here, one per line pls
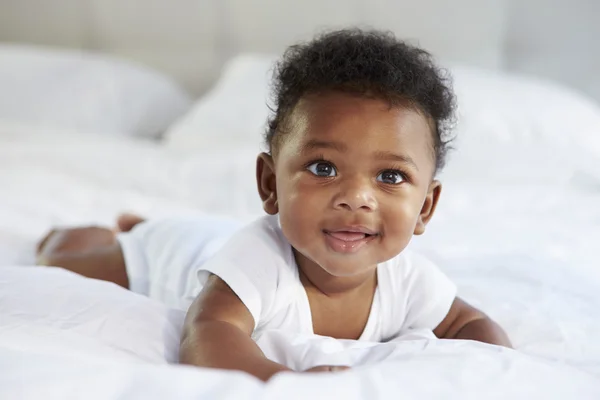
(191, 39)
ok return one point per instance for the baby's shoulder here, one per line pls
(260, 243)
(405, 268)
(399, 264)
(256, 264)
(263, 232)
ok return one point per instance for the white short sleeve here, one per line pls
(429, 293)
(253, 263)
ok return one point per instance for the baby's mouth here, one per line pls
(348, 236)
(348, 240)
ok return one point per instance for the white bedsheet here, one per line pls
(518, 235)
(77, 337)
(454, 373)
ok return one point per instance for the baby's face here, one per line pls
(353, 176)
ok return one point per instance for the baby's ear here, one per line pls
(431, 201)
(267, 186)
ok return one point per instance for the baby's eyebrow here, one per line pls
(389, 156)
(315, 144)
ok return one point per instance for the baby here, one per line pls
(358, 133)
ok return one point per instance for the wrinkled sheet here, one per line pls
(63, 336)
(518, 235)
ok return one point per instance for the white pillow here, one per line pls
(517, 129)
(495, 110)
(235, 109)
(85, 92)
(512, 110)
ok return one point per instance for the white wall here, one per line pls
(558, 39)
(190, 39)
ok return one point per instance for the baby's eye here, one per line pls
(391, 177)
(322, 168)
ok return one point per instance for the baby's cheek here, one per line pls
(297, 232)
(295, 214)
(302, 199)
(401, 221)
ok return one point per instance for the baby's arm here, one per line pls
(217, 334)
(466, 322)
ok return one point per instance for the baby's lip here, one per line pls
(349, 239)
(352, 229)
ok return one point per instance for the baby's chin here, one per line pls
(347, 268)
(341, 265)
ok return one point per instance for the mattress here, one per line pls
(521, 247)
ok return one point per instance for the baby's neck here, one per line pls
(314, 278)
(339, 287)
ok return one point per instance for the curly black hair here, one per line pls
(369, 63)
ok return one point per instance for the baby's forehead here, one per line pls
(339, 116)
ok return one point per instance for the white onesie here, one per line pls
(170, 260)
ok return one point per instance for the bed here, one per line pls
(97, 116)
(517, 229)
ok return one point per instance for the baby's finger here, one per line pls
(336, 368)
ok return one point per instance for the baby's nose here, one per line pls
(355, 195)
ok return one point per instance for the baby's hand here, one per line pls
(327, 368)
